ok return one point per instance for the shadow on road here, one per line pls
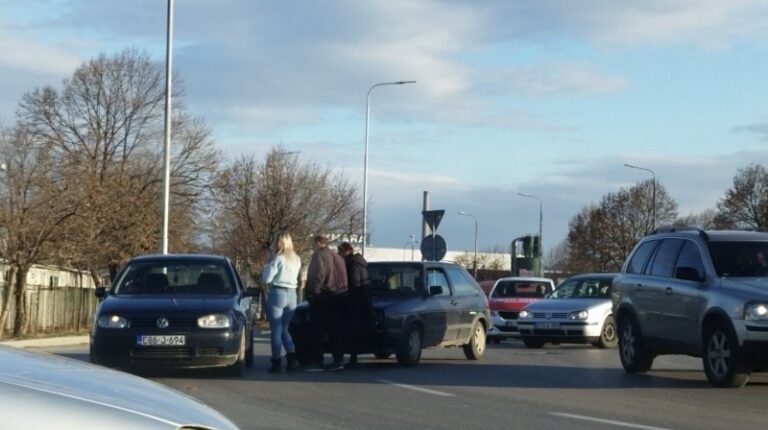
(458, 372)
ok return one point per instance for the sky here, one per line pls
(547, 98)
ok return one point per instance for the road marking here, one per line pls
(415, 388)
(604, 421)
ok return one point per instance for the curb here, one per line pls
(47, 342)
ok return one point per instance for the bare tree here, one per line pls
(704, 220)
(745, 204)
(105, 126)
(36, 206)
(601, 236)
(258, 199)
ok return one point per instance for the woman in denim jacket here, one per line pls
(281, 274)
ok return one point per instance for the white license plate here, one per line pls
(178, 340)
(547, 325)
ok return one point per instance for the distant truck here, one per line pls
(507, 298)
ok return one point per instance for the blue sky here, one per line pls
(549, 98)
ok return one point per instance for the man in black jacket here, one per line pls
(359, 308)
(326, 292)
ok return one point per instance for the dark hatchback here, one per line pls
(175, 311)
(416, 305)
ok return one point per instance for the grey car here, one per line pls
(695, 292)
(43, 391)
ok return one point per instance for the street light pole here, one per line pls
(653, 197)
(365, 166)
(167, 150)
(473, 216)
(541, 222)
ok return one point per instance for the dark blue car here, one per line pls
(175, 311)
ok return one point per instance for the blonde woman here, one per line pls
(281, 274)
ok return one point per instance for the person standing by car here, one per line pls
(281, 274)
(359, 309)
(326, 292)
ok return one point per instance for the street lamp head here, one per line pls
(461, 213)
(405, 82)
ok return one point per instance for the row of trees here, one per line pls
(81, 181)
(601, 236)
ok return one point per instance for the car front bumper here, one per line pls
(560, 331)
(202, 348)
(503, 328)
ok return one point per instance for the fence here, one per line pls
(58, 301)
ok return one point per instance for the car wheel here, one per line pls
(382, 355)
(609, 338)
(533, 343)
(409, 351)
(635, 356)
(722, 361)
(238, 368)
(476, 346)
(249, 351)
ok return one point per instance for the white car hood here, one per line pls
(57, 381)
(566, 305)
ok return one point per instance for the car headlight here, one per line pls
(578, 315)
(112, 321)
(524, 314)
(756, 311)
(214, 321)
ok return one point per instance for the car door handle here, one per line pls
(454, 302)
(668, 291)
(639, 287)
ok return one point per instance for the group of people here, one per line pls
(339, 302)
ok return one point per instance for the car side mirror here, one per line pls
(100, 292)
(252, 292)
(688, 274)
(435, 290)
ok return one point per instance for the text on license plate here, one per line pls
(161, 340)
(547, 325)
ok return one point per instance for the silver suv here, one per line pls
(695, 292)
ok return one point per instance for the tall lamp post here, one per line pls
(365, 166)
(473, 216)
(653, 197)
(167, 150)
(541, 219)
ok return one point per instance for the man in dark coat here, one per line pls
(359, 308)
(326, 292)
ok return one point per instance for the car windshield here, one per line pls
(583, 288)
(740, 259)
(164, 277)
(395, 279)
(520, 288)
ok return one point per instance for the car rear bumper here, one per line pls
(503, 328)
(202, 349)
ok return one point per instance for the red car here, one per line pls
(507, 298)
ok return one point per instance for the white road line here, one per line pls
(415, 388)
(604, 421)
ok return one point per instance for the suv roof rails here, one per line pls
(678, 228)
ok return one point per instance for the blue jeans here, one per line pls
(281, 305)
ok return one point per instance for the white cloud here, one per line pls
(555, 79)
(36, 57)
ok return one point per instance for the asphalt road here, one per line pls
(557, 387)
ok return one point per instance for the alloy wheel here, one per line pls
(719, 354)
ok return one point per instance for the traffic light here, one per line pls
(527, 246)
(536, 246)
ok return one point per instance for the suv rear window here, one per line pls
(640, 257)
(740, 259)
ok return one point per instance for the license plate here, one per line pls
(547, 325)
(161, 340)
